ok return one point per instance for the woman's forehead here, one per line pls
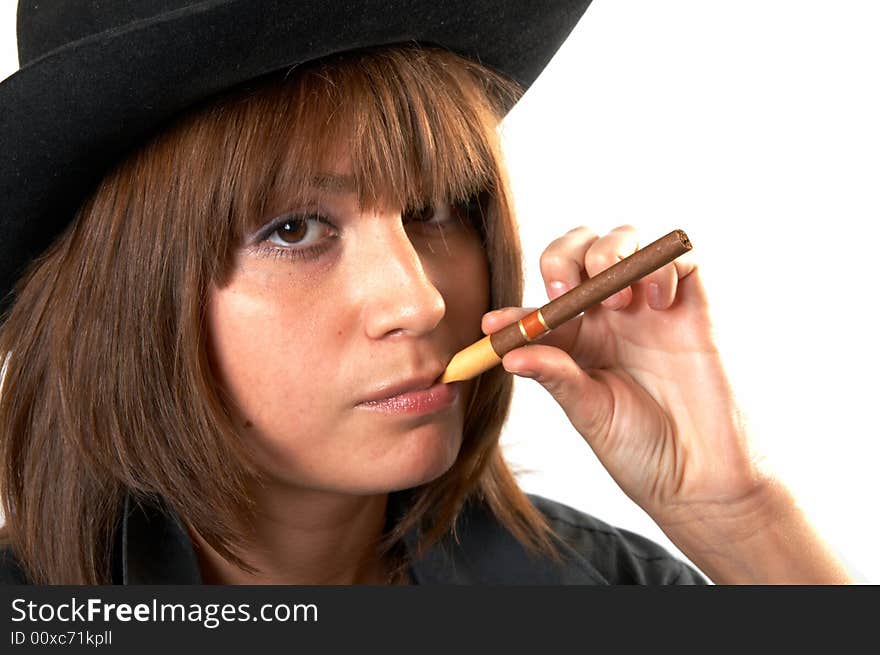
(369, 185)
(340, 183)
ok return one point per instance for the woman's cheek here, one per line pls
(259, 354)
(468, 292)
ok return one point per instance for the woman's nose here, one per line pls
(397, 295)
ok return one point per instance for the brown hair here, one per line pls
(108, 388)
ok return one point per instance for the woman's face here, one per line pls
(331, 309)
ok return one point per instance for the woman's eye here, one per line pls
(297, 237)
(299, 231)
(419, 215)
(431, 215)
(468, 209)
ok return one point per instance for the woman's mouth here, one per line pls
(435, 398)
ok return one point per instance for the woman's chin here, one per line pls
(399, 462)
(418, 461)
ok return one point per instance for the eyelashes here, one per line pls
(307, 236)
(291, 230)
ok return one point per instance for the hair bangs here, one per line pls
(400, 127)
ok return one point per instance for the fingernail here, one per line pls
(654, 301)
(556, 289)
(615, 301)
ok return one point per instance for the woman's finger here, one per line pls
(606, 251)
(659, 287)
(499, 318)
(562, 262)
(587, 403)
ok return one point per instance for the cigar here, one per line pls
(488, 351)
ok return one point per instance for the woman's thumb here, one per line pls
(587, 403)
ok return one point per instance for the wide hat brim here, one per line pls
(67, 116)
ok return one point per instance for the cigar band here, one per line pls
(533, 326)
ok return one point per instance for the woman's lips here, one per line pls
(425, 401)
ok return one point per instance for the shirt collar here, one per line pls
(153, 547)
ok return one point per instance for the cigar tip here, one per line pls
(470, 362)
(685, 242)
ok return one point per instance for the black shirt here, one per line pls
(153, 547)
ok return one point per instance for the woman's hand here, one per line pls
(640, 377)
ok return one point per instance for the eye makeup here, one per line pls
(430, 220)
(264, 246)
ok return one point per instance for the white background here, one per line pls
(754, 127)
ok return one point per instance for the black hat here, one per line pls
(96, 77)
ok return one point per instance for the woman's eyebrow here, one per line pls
(333, 182)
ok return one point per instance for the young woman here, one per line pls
(227, 319)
